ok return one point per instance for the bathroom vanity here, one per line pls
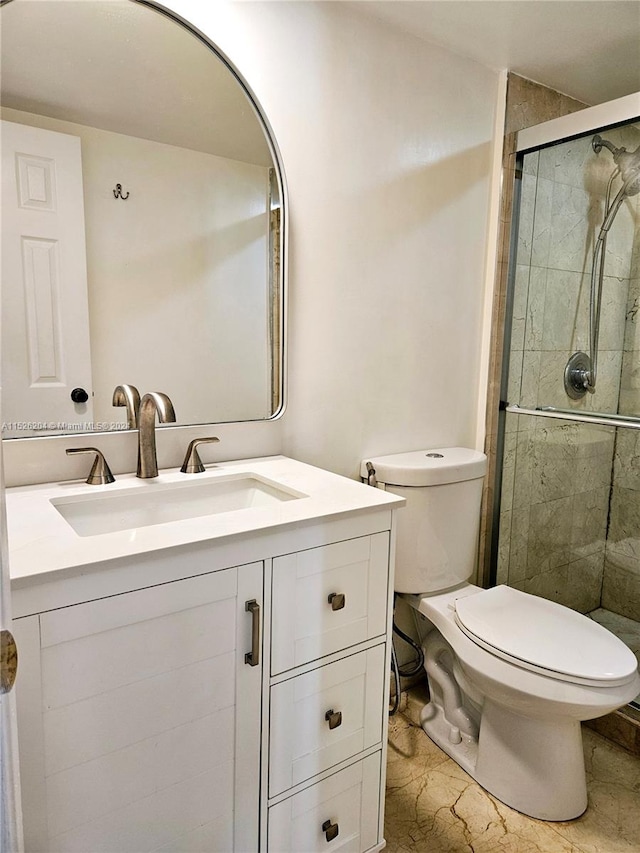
(210, 679)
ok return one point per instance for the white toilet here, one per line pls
(510, 674)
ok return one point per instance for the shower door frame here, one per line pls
(574, 125)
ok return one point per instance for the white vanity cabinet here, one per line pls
(139, 719)
(206, 685)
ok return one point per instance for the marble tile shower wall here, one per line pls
(557, 474)
(555, 497)
(621, 587)
(621, 582)
(527, 104)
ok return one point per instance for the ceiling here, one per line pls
(589, 49)
(122, 72)
(122, 67)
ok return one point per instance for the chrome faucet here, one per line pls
(152, 403)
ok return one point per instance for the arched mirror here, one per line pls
(142, 219)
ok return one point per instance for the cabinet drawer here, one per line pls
(347, 802)
(302, 742)
(305, 625)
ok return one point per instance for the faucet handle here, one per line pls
(192, 463)
(100, 473)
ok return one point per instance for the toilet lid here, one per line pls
(543, 636)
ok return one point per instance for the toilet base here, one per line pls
(463, 748)
(535, 766)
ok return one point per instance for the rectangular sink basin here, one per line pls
(156, 503)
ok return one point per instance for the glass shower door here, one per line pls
(570, 498)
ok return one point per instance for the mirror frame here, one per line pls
(278, 297)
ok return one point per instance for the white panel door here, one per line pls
(45, 316)
(139, 720)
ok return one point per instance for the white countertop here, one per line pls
(41, 541)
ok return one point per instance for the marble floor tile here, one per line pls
(433, 806)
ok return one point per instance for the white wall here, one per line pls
(386, 143)
(387, 147)
(181, 265)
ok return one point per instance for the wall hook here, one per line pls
(119, 194)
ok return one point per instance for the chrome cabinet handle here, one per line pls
(331, 830)
(253, 657)
(334, 718)
(336, 600)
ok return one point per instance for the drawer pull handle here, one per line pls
(331, 830)
(253, 657)
(336, 600)
(334, 718)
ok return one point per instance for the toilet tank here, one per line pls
(437, 531)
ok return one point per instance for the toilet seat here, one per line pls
(542, 636)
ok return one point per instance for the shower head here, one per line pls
(628, 163)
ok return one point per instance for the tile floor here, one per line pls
(433, 806)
